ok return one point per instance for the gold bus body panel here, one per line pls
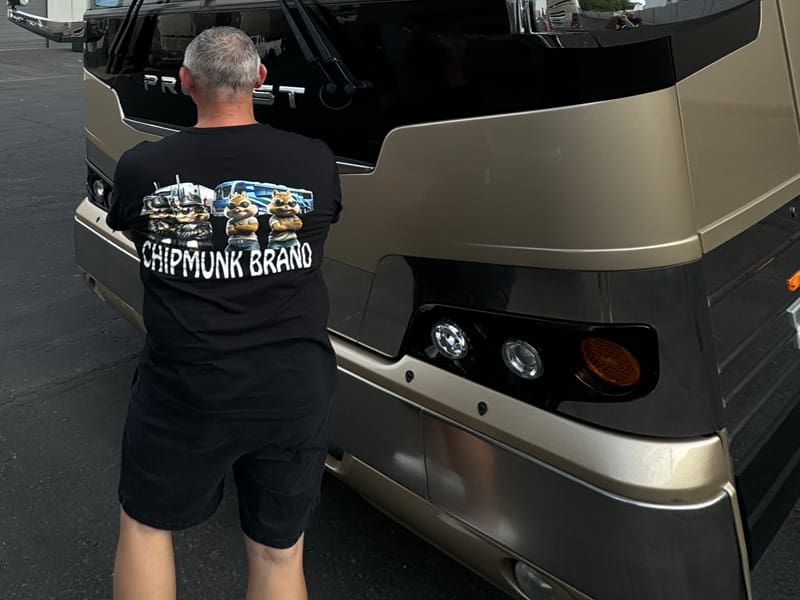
(741, 128)
(455, 180)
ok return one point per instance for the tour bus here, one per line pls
(259, 193)
(565, 288)
(224, 191)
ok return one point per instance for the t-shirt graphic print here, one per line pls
(230, 226)
(262, 224)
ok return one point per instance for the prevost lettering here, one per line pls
(168, 84)
(265, 94)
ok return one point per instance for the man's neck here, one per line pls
(225, 114)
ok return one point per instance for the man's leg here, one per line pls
(144, 568)
(275, 573)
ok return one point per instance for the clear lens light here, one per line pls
(99, 188)
(522, 359)
(450, 340)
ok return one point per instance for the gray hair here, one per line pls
(223, 58)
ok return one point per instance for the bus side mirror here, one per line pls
(51, 29)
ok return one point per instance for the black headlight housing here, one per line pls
(589, 362)
(98, 188)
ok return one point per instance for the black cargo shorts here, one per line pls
(175, 459)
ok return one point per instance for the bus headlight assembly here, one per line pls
(586, 362)
(522, 359)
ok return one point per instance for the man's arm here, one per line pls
(119, 202)
(115, 218)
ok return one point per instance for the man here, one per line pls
(237, 370)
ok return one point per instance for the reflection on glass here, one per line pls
(561, 15)
(120, 3)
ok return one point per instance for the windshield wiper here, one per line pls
(120, 42)
(343, 78)
(305, 49)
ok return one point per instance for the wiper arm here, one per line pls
(120, 42)
(305, 49)
(327, 53)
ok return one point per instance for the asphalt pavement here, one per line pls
(65, 363)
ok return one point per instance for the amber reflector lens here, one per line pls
(610, 362)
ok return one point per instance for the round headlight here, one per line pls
(99, 188)
(450, 340)
(522, 359)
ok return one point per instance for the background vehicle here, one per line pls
(564, 288)
(560, 13)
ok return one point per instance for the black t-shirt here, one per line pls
(230, 224)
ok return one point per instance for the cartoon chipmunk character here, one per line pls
(284, 221)
(242, 223)
(193, 231)
(161, 223)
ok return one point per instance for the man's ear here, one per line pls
(187, 80)
(262, 75)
